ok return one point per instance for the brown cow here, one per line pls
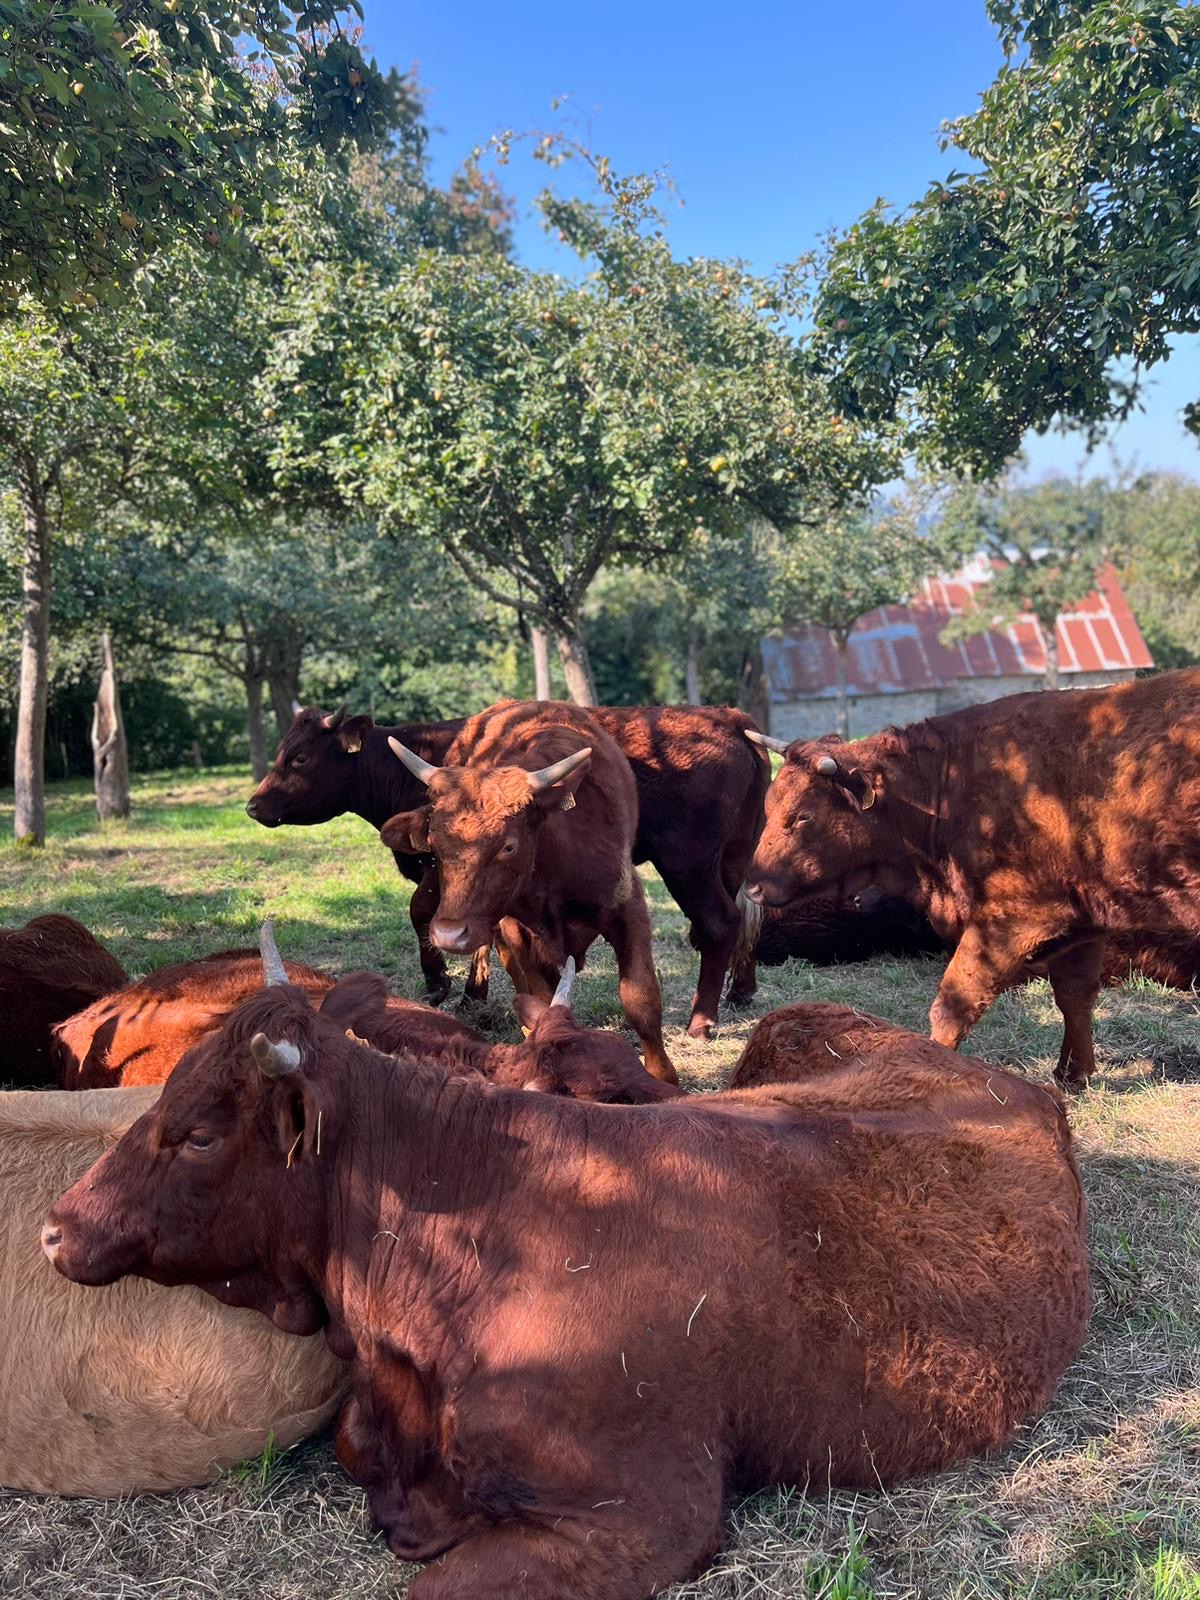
(557, 1056)
(137, 1035)
(574, 1329)
(133, 1387)
(700, 807)
(1026, 830)
(532, 821)
(49, 969)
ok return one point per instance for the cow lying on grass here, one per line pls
(573, 1329)
(1027, 830)
(49, 969)
(700, 792)
(531, 821)
(133, 1387)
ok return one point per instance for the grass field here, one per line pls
(1099, 1498)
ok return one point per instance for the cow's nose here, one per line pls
(51, 1240)
(450, 935)
(252, 807)
(753, 891)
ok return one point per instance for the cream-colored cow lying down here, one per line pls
(133, 1387)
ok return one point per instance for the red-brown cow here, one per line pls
(574, 1329)
(138, 1035)
(532, 821)
(48, 970)
(700, 788)
(1027, 830)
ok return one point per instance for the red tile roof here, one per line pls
(897, 648)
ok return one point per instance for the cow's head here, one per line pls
(218, 1181)
(482, 824)
(313, 778)
(822, 829)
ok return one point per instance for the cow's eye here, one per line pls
(299, 761)
(200, 1142)
(800, 818)
(508, 848)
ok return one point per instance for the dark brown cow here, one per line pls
(531, 821)
(1027, 830)
(138, 1034)
(49, 969)
(573, 1329)
(700, 807)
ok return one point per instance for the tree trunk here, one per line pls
(1050, 644)
(577, 668)
(110, 751)
(691, 671)
(284, 656)
(841, 648)
(254, 726)
(29, 755)
(540, 640)
(752, 694)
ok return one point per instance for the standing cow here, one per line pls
(574, 1330)
(532, 821)
(1027, 830)
(700, 790)
(135, 1387)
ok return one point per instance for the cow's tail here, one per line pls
(751, 926)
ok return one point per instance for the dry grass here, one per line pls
(1099, 1498)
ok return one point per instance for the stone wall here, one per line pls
(809, 719)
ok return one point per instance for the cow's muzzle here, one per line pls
(451, 935)
(69, 1251)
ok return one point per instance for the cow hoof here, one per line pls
(737, 998)
(1071, 1084)
(700, 1028)
(438, 996)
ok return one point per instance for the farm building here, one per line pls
(899, 671)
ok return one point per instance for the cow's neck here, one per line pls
(414, 1204)
(384, 785)
(911, 768)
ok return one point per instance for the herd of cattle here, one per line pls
(559, 1327)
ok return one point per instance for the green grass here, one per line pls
(1097, 1500)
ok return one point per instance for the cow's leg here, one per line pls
(988, 959)
(628, 931)
(421, 909)
(1075, 979)
(587, 1555)
(476, 987)
(714, 920)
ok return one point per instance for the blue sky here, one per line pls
(775, 121)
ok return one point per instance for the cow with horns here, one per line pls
(575, 1331)
(1027, 830)
(531, 821)
(700, 795)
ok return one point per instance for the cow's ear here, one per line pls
(407, 833)
(352, 732)
(560, 796)
(299, 1117)
(853, 780)
(530, 1010)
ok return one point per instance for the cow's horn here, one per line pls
(274, 970)
(297, 708)
(547, 777)
(778, 745)
(418, 768)
(335, 718)
(274, 1060)
(827, 767)
(562, 995)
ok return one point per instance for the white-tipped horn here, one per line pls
(547, 777)
(827, 766)
(274, 970)
(562, 995)
(335, 718)
(768, 743)
(297, 708)
(419, 769)
(274, 1060)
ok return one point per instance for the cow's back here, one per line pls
(131, 1387)
(137, 1035)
